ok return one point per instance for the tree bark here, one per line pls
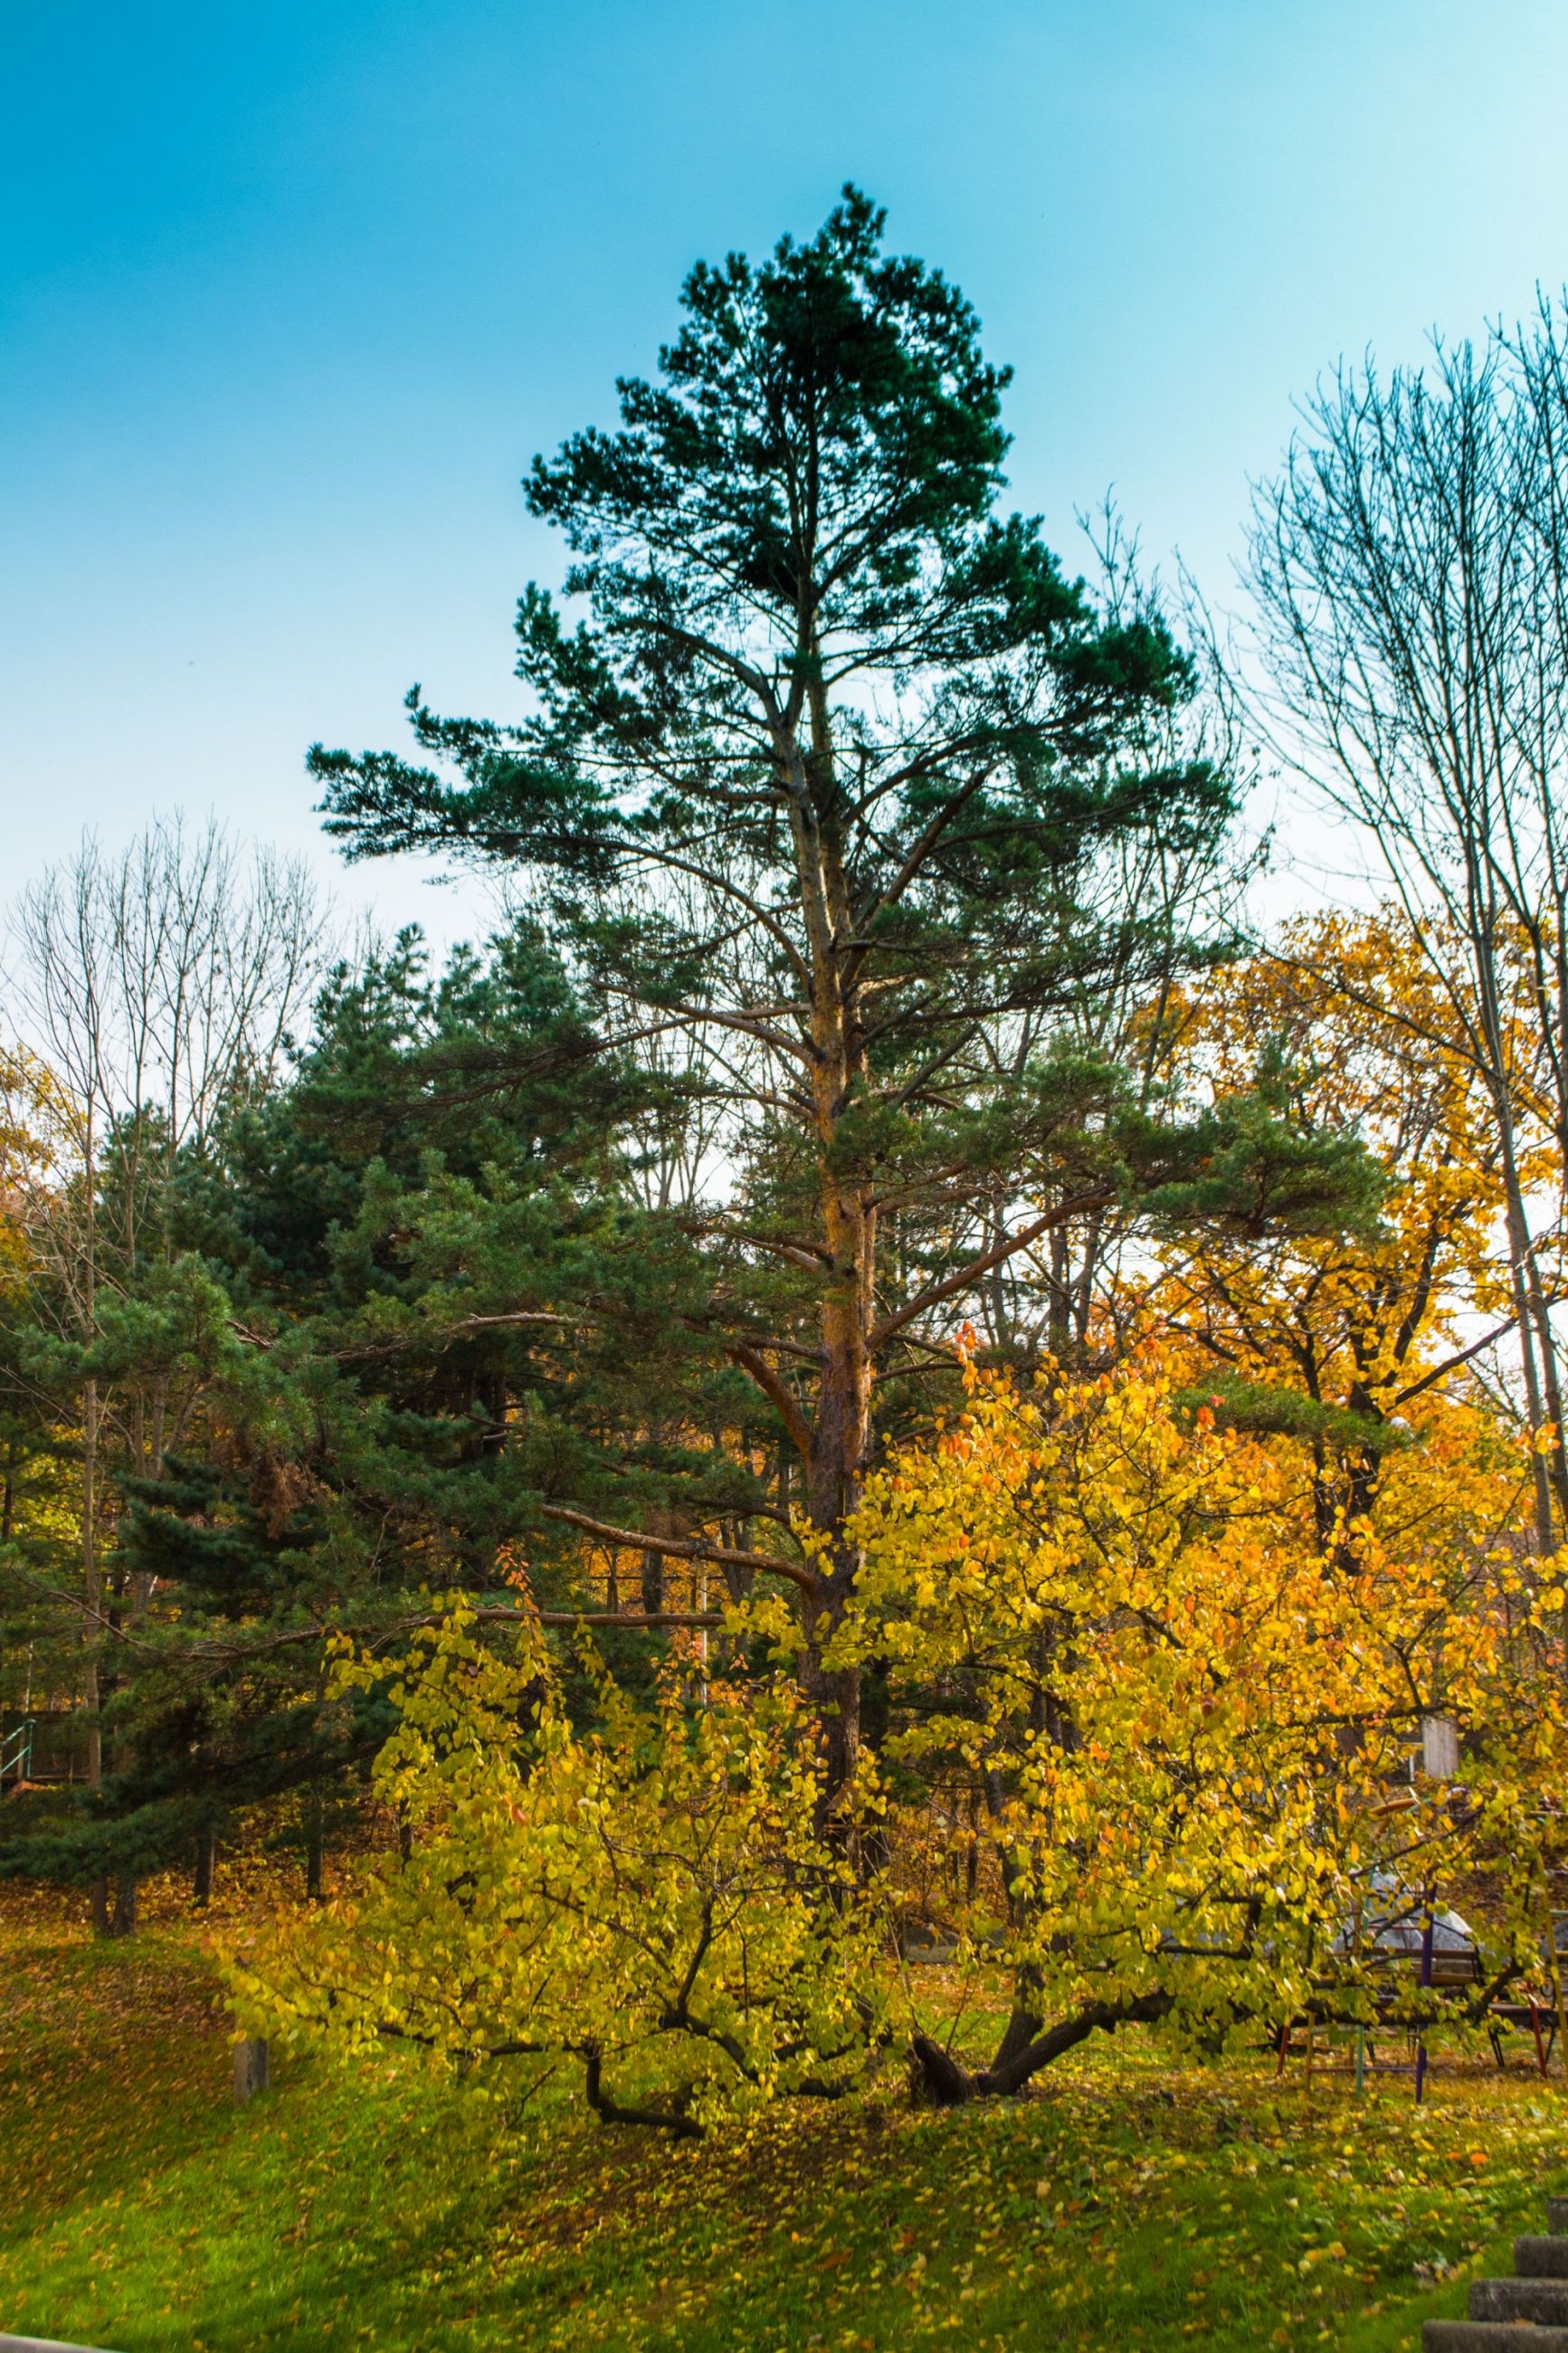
(123, 1920)
(946, 2082)
(251, 2069)
(840, 1435)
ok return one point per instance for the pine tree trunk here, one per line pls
(840, 1440)
(834, 1475)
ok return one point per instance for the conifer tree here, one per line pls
(840, 780)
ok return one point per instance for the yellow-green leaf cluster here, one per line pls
(1192, 1723)
(653, 1894)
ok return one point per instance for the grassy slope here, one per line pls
(1131, 2204)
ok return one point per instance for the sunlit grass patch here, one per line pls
(1132, 2201)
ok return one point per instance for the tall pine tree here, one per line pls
(839, 781)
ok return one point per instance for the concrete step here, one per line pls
(1557, 2217)
(42, 2344)
(1540, 2300)
(1541, 2258)
(1488, 2337)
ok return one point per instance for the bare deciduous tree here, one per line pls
(1410, 571)
(155, 985)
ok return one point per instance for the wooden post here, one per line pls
(1427, 1941)
(1556, 1965)
(250, 2069)
(1536, 2030)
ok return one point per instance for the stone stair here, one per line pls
(1536, 2298)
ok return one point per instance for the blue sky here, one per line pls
(289, 295)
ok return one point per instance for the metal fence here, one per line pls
(49, 1744)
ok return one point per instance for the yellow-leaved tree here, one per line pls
(1101, 1616)
(1348, 1340)
(650, 1896)
(1189, 1722)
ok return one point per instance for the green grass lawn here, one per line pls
(1132, 2203)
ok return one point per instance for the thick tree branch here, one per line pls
(610, 2111)
(950, 2083)
(1452, 1364)
(777, 1395)
(953, 1285)
(810, 1257)
(909, 871)
(682, 1547)
(442, 1335)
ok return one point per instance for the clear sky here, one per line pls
(290, 293)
